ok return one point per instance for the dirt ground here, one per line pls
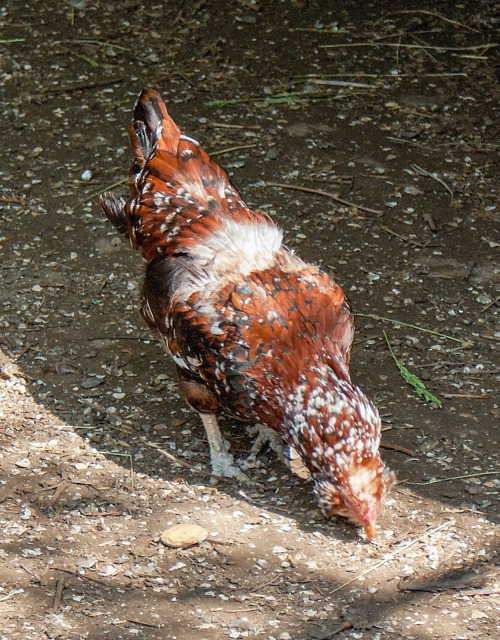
(394, 109)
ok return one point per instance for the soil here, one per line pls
(392, 107)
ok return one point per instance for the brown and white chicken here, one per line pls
(253, 329)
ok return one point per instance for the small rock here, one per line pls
(413, 191)
(91, 383)
(478, 615)
(299, 130)
(184, 535)
(278, 550)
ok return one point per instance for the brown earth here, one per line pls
(394, 107)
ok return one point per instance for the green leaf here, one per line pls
(412, 379)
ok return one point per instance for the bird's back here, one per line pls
(233, 304)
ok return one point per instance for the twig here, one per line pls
(264, 584)
(12, 200)
(374, 316)
(84, 576)
(393, 555)
(228, 125)
(98, 193)
(59, 491)
(343, 627)
(487, 591)
(326, 194)
(182, 463)
(11, 595)
(437, 15)
(470, 475)
(291, 97)
(406, 45)
(410, 143)
(58, 595)
(377, 75)
(403, 238)
(490, 304)
(434, 176)
(142, 623)
(495, 338)
(152, 339)
(97, 42)
(221, 151)
(123, 455)
(471, 396)
(425, 46)
(80, 86)
(396, 447)
(343, 83)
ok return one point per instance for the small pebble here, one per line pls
(184, 535)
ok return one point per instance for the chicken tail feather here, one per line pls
(114, 208)
(151, 121)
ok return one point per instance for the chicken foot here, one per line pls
(221, 461)
(286, 453)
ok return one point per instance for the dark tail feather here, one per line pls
(149, 112)
(114, 208)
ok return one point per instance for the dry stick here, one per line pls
(490, 304)
(403, 238)
(469, 475)
(264, 584)
(472, 396)
(396, 447)
(437, 15)
(83, 576)
(434, 176)
(374, 316)
(495, 338)
(343, 627)
(393, 555)
(343, 83)
(182, 462)
(12, 200)
(228, 150)
(11, 595)
(97, 42)
(424, 49)
(406, 45)
(326, 194)
(57, 597)
(142, 623)
(76, 87)
(481, 592)
(98, 193)
(224, 125)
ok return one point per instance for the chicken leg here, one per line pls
(221, 461)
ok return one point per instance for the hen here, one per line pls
(253, 329)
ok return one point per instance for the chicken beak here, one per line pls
(370, 530)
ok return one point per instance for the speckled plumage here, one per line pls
(252, 328)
